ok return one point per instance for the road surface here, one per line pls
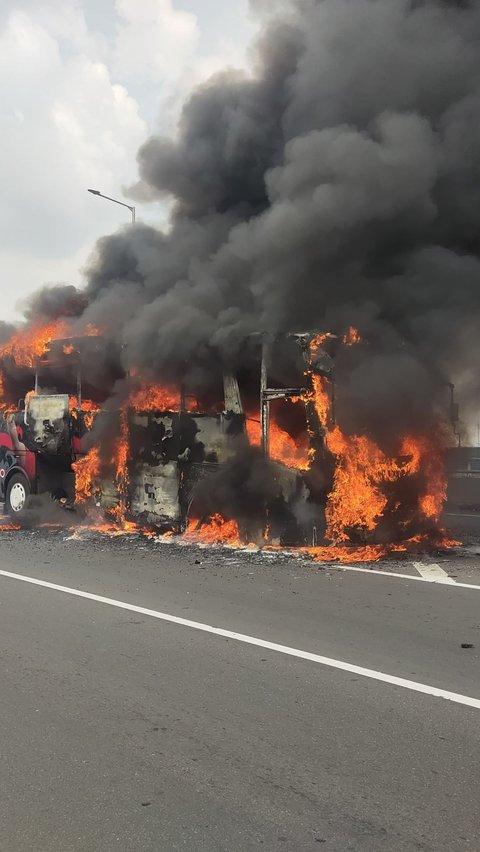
(132, 731)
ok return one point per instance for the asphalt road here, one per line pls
(462, 522)
(121, 731)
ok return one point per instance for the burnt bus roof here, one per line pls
(67, 349)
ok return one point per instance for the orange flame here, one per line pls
(427, 456)
(322, 399)
(88, 408)
(214, 530)
(119, 460)
(87, 470)
(376, 552)
(351, 337)
(30, 343)
(358, 499)
(283, 448)
(317, 342)
(155, 398)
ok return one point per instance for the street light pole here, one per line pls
(115, 201)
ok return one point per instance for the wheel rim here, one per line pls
(18, 496)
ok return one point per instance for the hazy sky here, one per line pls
(82, 84)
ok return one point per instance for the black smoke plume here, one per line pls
(337, 184)
(55, 302)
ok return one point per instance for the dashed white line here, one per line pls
(411, 685)
(433, 573)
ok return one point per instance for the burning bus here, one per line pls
(253, 456)
(148, 458)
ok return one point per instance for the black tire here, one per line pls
(16, 498)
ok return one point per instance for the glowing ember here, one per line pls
(92, 330)
(333, 553)
(110, 529)
(68, 349)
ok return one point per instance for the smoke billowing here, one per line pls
(338, 184)
(52, 303)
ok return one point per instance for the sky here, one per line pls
(83, 83)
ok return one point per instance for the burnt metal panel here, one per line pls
(46, 426)
(153, 494)
(215, 435)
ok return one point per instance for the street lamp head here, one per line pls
(115, 201)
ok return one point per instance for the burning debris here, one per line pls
(323, 192)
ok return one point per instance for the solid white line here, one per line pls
(260, 643)
(459, 515)
(433, 573)
(378, 572)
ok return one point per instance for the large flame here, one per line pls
(119, 460)
(87, 472)
(321, 399)
(30, 343)
(358, 499)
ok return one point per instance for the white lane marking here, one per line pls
(433, 573)
(378, 572)
(459, 515)
(412, 685)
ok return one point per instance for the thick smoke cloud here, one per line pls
(51, 303)
(338, 185)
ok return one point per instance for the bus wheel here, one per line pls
(18, 492)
